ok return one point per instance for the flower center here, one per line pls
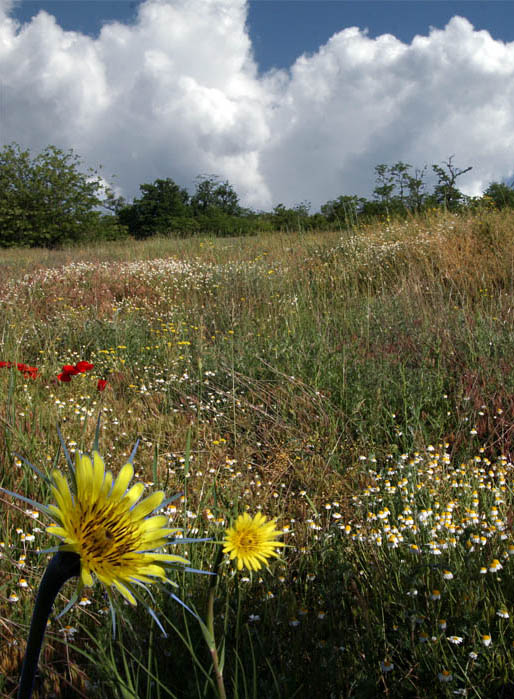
(247, 541)
(104, 537)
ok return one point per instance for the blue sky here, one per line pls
(290, 101)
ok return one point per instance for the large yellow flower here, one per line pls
(251, 541)
(101, 520)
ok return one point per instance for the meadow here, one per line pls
(356, 385)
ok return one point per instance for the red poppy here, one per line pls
(83, 366)
(68, 370)
(102, 383)
(27, 371)
(6, 364)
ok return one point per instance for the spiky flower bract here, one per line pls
(251, 541)
(104, 521)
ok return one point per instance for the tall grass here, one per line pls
(355, 385)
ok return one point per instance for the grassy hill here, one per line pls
(355, 385)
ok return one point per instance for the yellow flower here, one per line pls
(251, 541)
(102, 520)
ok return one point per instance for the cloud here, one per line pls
(177, 93)
(359, 101)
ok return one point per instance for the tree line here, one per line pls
(49, 200)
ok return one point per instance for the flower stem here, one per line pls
(63, 566)
(210, 625)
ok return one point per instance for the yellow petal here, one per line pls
(148, 505)
(121, 483)
(98, 475)
(125, 592)
(133, 495)
(85, 577)
(84, 476)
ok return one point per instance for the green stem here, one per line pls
(210, 625)
(63, 566)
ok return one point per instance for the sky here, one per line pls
(289, 100)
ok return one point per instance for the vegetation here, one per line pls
(47, 201)
(356, 385)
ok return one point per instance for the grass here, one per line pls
(355, 385)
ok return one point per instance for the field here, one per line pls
(357, 386)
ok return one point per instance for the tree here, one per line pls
(415, 184)
(294, 219)
(502, 194)
(47, 200)
(211, 194)
(157, 211)
(396, 191)
(343, 210)
(446, 193)
(385, 183)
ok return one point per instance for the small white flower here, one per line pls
(456, 640)
(386, 666)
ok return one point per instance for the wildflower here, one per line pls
(442, 624)
(445, 676)
(486, 639)
(105, 525)
(251, 541)
(106, 532)
(447, 575)
(436, 595)
(456, 640)
(68, 370)
(495, 566)
(102, 383)
(386, 666)
(503, 613)
(29, 372)
(83, 366)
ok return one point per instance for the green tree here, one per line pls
(294, 219)
(48, 200)
(446, 193)
(212, 195)
(416, 197)
(385, 183)
(160, 209)
(344, 210)
(502, 194)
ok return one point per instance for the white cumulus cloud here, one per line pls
(177, 93)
